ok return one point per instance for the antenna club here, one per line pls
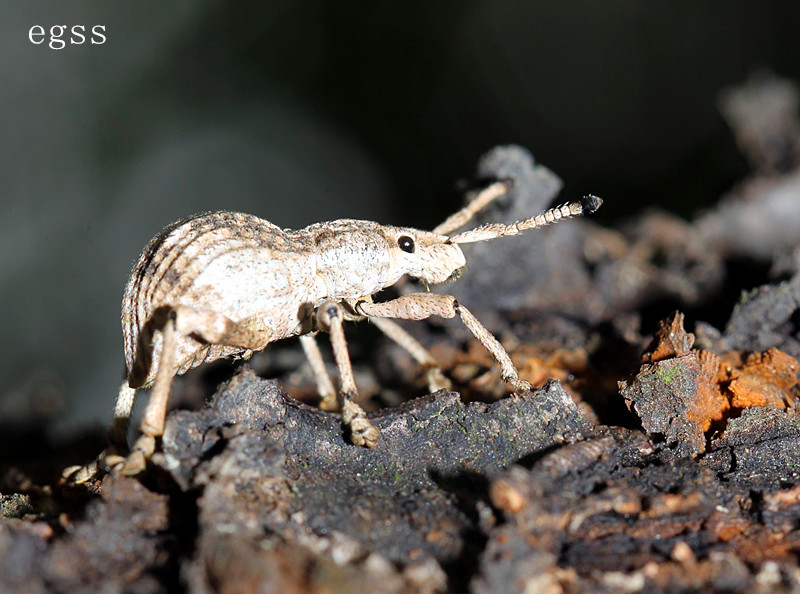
(590, 204)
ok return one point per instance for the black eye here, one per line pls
(406, 244)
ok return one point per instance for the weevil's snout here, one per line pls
(440, 262)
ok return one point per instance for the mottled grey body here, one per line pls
(264, 278)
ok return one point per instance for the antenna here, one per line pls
(587, 205)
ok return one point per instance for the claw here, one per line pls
(134, 464)
(107, 461)
(520, 385)
(329, 402)
(136, 461)
(364, 433)
(437, 380)
(80, 474)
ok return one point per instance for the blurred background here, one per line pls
(307, 111)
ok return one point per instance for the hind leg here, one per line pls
(212, 328)
(171, 322)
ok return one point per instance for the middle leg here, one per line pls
(324, 385)
(434, 375)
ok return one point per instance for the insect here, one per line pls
(227, 284)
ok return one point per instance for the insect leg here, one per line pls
(419, 306)
(118, 432)
(156, 411)
(363, 433)
(117, 435)
(210, 327)
(154, 415)
(485, 197)
(173, 322)
(436, 379)
(507, 369)
(324, 384)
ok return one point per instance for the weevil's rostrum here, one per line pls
(227, 284)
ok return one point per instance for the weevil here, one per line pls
(227, 284)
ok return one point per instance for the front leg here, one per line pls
(419, 306)
(330, 317)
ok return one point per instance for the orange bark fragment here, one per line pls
(670, 340)
(764, 379)
(709, 404)
(732, 380)
(726, 526)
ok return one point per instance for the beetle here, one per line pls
(225, 284)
